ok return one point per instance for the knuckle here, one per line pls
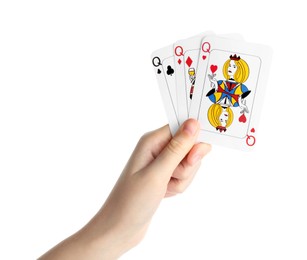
(185, 175)
(146, 138)
(175, 146)
(178, 186)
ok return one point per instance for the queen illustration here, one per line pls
(230, 92)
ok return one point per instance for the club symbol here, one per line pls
(156, 61)
(170, 71)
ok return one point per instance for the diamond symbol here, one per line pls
(189, 61)
(179, 61)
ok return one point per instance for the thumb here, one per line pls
(178, 147)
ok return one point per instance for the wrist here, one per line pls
(101, 239)
(109, 238)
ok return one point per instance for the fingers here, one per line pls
(179, 185)
(197, 152)
(178, 147)
(185, 172)
(195, 155)
(148, 148)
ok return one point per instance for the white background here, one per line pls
(77, 90)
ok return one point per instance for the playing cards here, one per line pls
(218, 80)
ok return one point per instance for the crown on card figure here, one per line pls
(234, 57)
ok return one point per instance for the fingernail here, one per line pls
(190, 127)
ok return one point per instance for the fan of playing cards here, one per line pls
(218, 80)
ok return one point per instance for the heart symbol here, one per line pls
(204, 57)
(253, 130)
(159, 71)
(213, 68)
(242, 118)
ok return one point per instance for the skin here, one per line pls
(232, 68)
(159, 167)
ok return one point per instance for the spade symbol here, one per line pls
(158, 71)
(170, 71)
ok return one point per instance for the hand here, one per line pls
(160, 166)
(243, 106)
(212, 77)
(192, 79)
(213, 81)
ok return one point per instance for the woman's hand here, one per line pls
(160, 166)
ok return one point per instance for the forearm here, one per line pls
(117, 227)
(156, 169)
(94, 241)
